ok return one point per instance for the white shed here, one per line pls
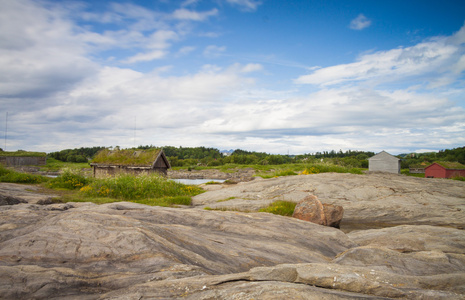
(384, 162)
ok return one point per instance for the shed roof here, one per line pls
(384, 155)
(129, 157)
(21, 153)
(449, 165)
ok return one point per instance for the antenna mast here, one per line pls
(6, 128)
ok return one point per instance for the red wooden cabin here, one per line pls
(444, 170)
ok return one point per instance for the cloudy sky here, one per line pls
(271, 76)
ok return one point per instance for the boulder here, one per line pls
(311, 209)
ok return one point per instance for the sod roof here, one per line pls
(21, 153)
(451, 165)
(127, 157)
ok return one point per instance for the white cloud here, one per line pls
(427, 59)
(247, 5)
(252, 68)
(39, 55)
(185, 14)
(148, 56)
(56, 91)
(212, 51)
(360, 22)
(186, 50)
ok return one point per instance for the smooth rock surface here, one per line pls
(374, 200)
(132, 251)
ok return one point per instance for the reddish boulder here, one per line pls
(311, 209)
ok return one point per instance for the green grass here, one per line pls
(146, 188)
(282, 208)
(21, 153)
(134, 157)
(278, 174)
(8, 175)
(227, 199)
(54, 165)
(70, 179)
(407, 173)
(460, 178)
(270, 171)
(304, 169)
(152, 190)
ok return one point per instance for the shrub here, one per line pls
(283, 208)
(70, 179)
(460, 178)
(144, 188)
(12, 176)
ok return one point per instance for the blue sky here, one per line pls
(271, 76)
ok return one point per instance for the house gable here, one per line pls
(384, 162)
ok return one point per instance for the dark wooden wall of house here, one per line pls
(11, 161)
(108, 171)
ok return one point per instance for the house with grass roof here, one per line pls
(22, 158)
(129, 161)
(445, 169)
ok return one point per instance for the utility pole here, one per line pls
(6, 129)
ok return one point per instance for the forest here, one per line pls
(194, 156)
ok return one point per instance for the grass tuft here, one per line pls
(282, 208)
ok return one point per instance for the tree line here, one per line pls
(192, 156)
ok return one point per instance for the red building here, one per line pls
(445, 170)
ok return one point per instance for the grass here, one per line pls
(147, 189)
(278, 174)
(21, 153)
(407, 173)
(73, 186)
(227, 199)
(8, 175)
(134, 157)
(270, 171)
(282, 208)
(70, 179)
(152, 190)
(460, 178)
(54, 165)
(305, 169)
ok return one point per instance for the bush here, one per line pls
(283, 208)
(144, 188)
(12, 176)
(70, 180)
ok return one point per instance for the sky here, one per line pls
(259, 75)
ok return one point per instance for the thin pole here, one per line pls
(135, 120)
(6, 128)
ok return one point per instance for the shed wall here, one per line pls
(381, 165)
(11, 161)
(453, 173)
(435, 171)
(109, 171)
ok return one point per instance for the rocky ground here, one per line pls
(401, 237)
